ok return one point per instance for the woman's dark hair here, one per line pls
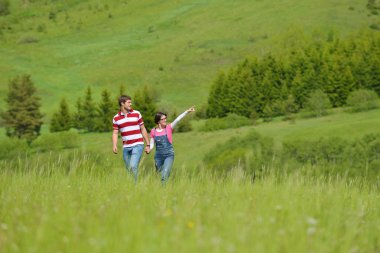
(158, 116)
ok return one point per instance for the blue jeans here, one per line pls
(132, 156)
(164, 164)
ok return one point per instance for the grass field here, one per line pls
(85, 204)
(175, 47)
(199, 213)
(83, 200)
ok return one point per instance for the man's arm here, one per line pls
(114, 141)
(146, 138)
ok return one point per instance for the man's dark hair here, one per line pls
(158, 116)
(123, 99)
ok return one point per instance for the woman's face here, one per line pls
(162, 121)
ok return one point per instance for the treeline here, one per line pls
(96, 116)
(23, 119)
(283, 84)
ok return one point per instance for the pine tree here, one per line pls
(78, 118)
(22, 118)
(61, 120)
(105, 113)
(214, 106)
(268, 92)
(144, 103)
(89, 111)
(240, 88)
(374, 63)
(299, 89)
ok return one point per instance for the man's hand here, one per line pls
(114, 149)
(147, 149)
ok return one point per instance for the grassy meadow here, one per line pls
(80, 198)
(202, 213)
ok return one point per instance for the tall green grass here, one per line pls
(86, 212)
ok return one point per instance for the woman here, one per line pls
(161, 135)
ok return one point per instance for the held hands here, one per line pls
(191, 109)
(147, 149)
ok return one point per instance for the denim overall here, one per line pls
(164, 156)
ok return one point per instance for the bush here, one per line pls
(358, 157)
(11, 147)
(316, 105)
(184, 125)
(56, 141)
(201, 112)
(27, 40)
(230, 121)
(251, 152)
(4, 7)
(362, 100)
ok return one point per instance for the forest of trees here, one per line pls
(275, 85)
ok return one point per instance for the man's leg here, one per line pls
(127, 152)
(135, 159)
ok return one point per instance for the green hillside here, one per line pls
(175, 47)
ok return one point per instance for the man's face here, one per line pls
(127, 105)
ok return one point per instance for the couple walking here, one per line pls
(130, 124)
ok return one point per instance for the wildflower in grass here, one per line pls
(4, 226)
(312, 221)
(281, 232)
(311, 231)
(190, 224)
(168, 212)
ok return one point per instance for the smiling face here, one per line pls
(127, 105)
(162, 121)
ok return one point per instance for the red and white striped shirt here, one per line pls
(129, 127)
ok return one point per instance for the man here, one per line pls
(133, 133)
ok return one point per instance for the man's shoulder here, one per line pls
(117, 116)
(135, 111)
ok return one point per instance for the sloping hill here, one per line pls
(176, 47)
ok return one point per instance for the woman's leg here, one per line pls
(167, 168)
(158, 162)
